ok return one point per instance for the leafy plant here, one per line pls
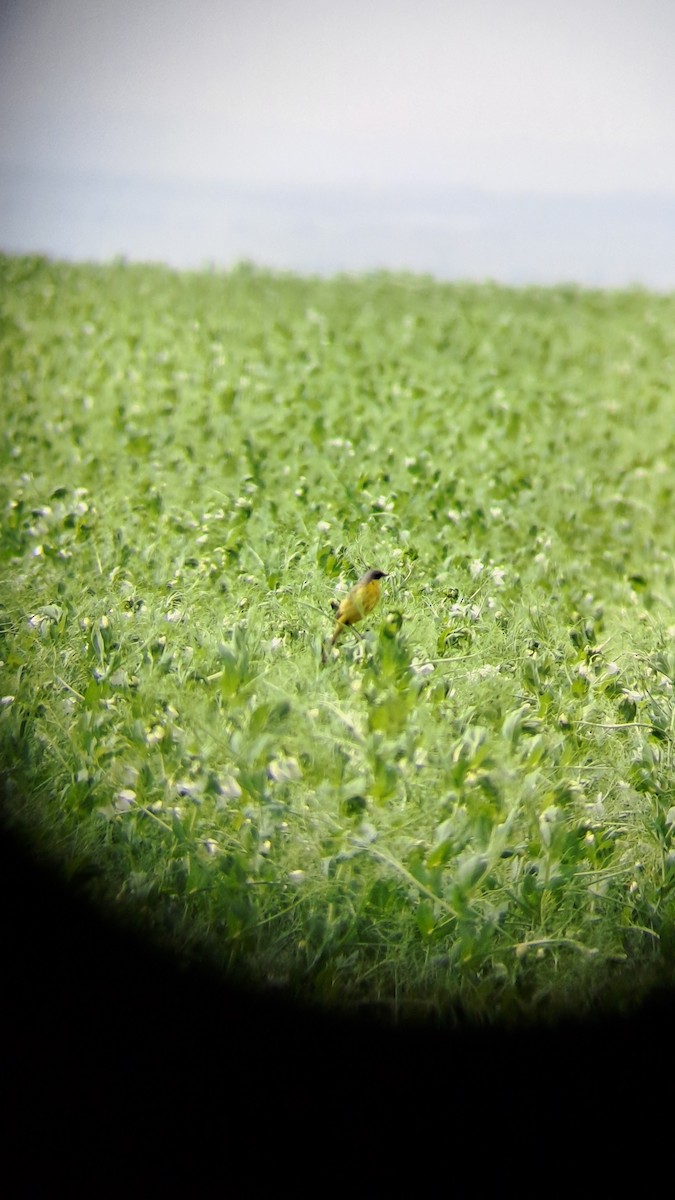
(472, 802)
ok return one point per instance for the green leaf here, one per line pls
(424, 917)
(471, 870)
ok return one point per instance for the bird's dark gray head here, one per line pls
(371, 575)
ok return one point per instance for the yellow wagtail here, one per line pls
(358, 602)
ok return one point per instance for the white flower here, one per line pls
(419, 668)
(284, 770)
(190, 788)
(484, 672)
(124, 799)
(229, 788)
(383, 504)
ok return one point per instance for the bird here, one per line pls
(358, 602)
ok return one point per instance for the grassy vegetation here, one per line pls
(471, 807)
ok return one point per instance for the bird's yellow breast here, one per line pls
(361, 600)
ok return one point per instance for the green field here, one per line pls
(470, 808)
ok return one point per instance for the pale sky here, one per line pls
(527, 95)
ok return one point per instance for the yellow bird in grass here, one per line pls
(358, 602)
